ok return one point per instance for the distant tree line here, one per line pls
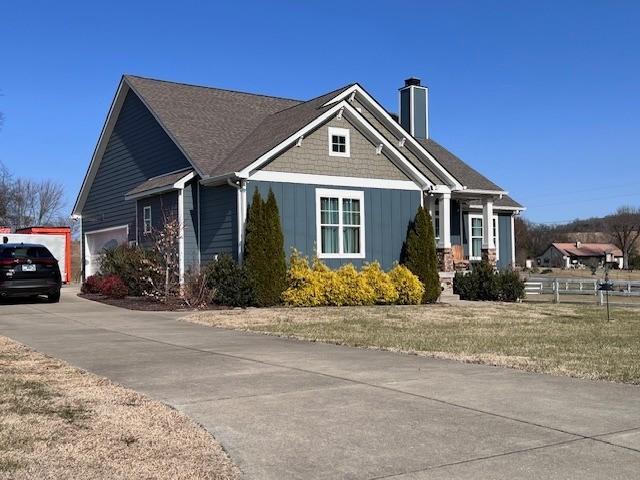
(621, 228)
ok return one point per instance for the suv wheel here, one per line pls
(54, 297)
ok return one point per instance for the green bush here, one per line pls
(420, 255)
(485, 283)
(264, 250)
(510, 286)
(229, 282)
(136, 266)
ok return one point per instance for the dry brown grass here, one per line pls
(618, 275)
(560, 339)
(58, 422)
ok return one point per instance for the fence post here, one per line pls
(556, 291)
(601, 298)
(629, 286)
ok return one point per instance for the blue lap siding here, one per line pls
(137, 150)
(387, 214)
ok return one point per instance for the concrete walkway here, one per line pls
(285, 409)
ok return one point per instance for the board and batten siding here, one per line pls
(137, 150)
(387, 215)
(218, 222)
(190, 222)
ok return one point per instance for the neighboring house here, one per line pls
(578, 254)
(348, 176)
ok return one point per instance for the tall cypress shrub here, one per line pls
(254, 252)
(274, 249)
(420, 255)
(264, 250)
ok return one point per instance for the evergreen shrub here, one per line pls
(419, 255)
(229, 282)
(264, 250)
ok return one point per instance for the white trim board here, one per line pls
(330, 180)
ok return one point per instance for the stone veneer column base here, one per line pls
(445, 260)
(489, 255)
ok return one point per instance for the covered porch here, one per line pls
(471, 226)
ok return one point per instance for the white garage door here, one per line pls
(96, 242)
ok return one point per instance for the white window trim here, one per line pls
(340, 194)
(146, 209)
(342, 132)
(470, 237)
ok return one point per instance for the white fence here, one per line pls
(558, 287)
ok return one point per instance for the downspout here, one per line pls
(241, 206)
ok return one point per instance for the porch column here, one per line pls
(488, 245)
(445, 256)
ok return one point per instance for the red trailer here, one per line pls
(61, 231)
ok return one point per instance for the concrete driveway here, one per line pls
(285, 409)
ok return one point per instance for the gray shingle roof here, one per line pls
(223, 131)
(207, 123)
(464, 173)
(160, 181)
(276, 128)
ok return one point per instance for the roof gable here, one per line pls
(207, 123)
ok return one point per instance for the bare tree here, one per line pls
(31, 203)
(5, 184)
(166, 242)
(624, 229)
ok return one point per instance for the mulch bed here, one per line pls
(147, 304)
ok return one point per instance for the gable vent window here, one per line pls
(339, 144)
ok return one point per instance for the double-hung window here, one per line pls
(339, 142)
(340, 223)
(475, 236)
(146, 220)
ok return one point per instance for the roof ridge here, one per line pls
(311, 100)
(216, 88)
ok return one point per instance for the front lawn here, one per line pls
(61, 422)
(560, 339)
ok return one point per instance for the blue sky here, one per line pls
(542, 97)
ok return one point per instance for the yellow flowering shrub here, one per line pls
(305, 285)
(317, 285)
(409, 287)
(383, 288)
(348, 287)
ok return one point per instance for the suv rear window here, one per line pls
(25, 252)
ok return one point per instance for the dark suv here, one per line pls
(28, 270)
